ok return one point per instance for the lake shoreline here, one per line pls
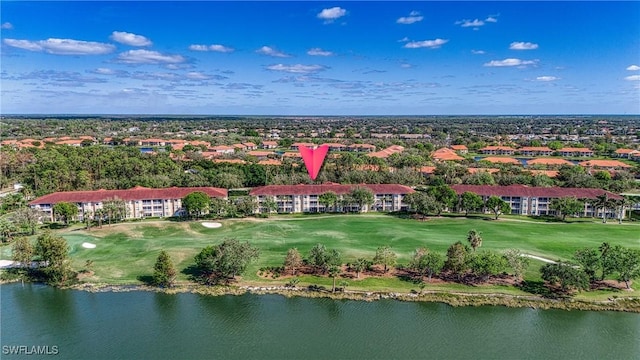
(454, 299)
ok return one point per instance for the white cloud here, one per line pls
(331, 14)
(406, 66)
(477, 52)
(520, 45)
(633, 68)
(194, 75)
(547, 78)
(149, 57)
(432, 44)
(214, 47)
(633, 78)
(509, 62)
(297, 68)
(404, 39)
(130, 39)
(470, 23)
(269, 51)
(491, 19)
(413, 17)
(6, 26)
(319, 52)
(62, 46)
(104, 71)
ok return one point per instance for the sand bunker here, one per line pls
(211, 225)
(87, 245)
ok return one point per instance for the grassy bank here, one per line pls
(126, 252)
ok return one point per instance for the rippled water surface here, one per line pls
(144, 325)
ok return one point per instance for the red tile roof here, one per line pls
(535, 148)
(619, 151)
(549, 173)
(604, 164)
(270, 162)
(304, 189)
(446, 154)
(548, 161)
(526, 191)
(459, 147)
(136, 193)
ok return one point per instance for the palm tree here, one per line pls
(334, 271)
(603, 202)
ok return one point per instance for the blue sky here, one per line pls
(320, 58)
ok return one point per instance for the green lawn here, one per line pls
(126, 251)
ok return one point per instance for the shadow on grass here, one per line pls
(192, 271)
(538, 288)
(146, 279)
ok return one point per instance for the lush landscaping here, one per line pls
(126, 252)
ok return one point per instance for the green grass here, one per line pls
(124, 252)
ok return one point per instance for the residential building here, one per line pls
(627, 153)
(363, 148)
(139, 201)
(269, 144)
(385, 153)
(573, 152)
(446, 154)
(535, 151)
(296, 146)
(526, 200)
(223, 149)
(553, 162)
(497, 150)
(304, 198)
(461, 149)
(605, 164)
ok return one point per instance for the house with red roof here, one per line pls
(497, 150)
(605, 164)
(627, 153)
(573, 152)
(446, 154)
(304, 197)
(139, 201)
(530, 200)
(269, 144)
(535, 151)
(462, 149)
(551, 162)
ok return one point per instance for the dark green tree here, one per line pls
(164, 273)
(470, 202)
(53, 251)
(22, 252)
(360, 265)
(361, 197)
(589, 260)
(487, 263)
(328, 200)
(426, 262)
(457, 259)
(566, 206)
(385, 256)
(566, 275)
(498, 206)
(65, 211)
(225, 261)
(196, 203)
